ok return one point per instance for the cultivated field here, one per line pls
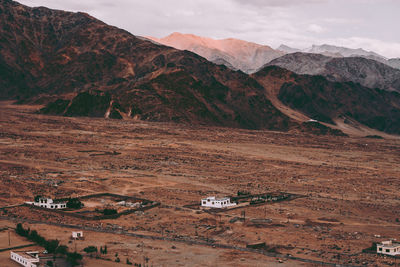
(350, 187)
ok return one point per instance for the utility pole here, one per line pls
(9, 239)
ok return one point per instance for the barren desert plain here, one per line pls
(348, 188)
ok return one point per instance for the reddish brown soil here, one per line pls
(351, 185)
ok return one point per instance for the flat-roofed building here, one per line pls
(25, 258)
(48, 203)
(390, 247)
(213, 202)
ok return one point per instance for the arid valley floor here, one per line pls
(350, 188)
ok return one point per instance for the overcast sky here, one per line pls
(370, 24)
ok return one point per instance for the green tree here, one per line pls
(74, 258)
(62, 250)
(74, 203)
(109, 211)
(90, 249)
(52, 245)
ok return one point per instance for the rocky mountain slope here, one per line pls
(394, 63)
(88, 68)
(367, 72)
(330, 102)
(238, 54)
(102, 71)
(339, 51)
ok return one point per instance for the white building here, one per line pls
(212, 202)
(48, 203)
(77, 235)
(391, 248)
(25, 258)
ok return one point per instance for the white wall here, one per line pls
(27, 262)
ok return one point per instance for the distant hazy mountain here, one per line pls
(288, 49)
(337, 51)
(233, 53)
(344, 51)
(367, 72)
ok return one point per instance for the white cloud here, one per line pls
(315, 28)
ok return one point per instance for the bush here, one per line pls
(103, 250)
(74, 203)
(21, 231)
(74, 258)
(90, 249)
(51, 245)
(243, 193)
(109, 211)
(62, 250)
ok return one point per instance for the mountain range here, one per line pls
(250, 57)
(77, 65)
(367, 72)
(235, 54)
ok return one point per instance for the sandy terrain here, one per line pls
(350, 186)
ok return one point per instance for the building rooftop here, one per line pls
(217, 199)
(390, 244)
(27, 254)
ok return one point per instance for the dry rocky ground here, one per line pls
(350, 187)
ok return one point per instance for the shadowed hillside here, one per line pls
(327, 101)
(48, 53)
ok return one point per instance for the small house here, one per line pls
(25, 258)
(77, 235)
(390, 247)
(48, 203)
(213, 202)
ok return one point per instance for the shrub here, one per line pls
(74, 203)
(21, 231)
(109, 211)
(74, 258)
(62, 250)
(51, 245)
(90, 249)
